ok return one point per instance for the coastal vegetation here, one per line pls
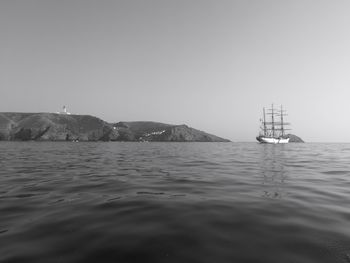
(69, 127)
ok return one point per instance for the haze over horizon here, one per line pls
(212, 65)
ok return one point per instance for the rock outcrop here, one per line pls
(294, 138)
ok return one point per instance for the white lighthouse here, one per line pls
(64, 111)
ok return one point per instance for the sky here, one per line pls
(212, 65)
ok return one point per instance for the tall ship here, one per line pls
(273, 128)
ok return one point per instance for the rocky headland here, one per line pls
(67, 127)
(294, 138)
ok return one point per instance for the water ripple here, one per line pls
(174, 202)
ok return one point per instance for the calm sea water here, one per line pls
(174, 202)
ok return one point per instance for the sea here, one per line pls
(174, 202)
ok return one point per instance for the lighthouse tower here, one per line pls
(64, 111)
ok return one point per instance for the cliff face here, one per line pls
(61, 127)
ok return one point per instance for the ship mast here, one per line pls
(272, 121)
(282, 128)
(265, 130)
(276, 125)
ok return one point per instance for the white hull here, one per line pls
(272, 140)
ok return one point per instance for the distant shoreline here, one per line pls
(19, 126)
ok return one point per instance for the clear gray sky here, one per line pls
(210, 64)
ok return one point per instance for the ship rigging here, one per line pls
(274, 129)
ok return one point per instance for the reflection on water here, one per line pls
(272, 163)
(174, 202)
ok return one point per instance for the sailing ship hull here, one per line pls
(272, 140)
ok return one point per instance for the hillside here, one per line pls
(153, 131)
(54, 127)
(63, 127)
